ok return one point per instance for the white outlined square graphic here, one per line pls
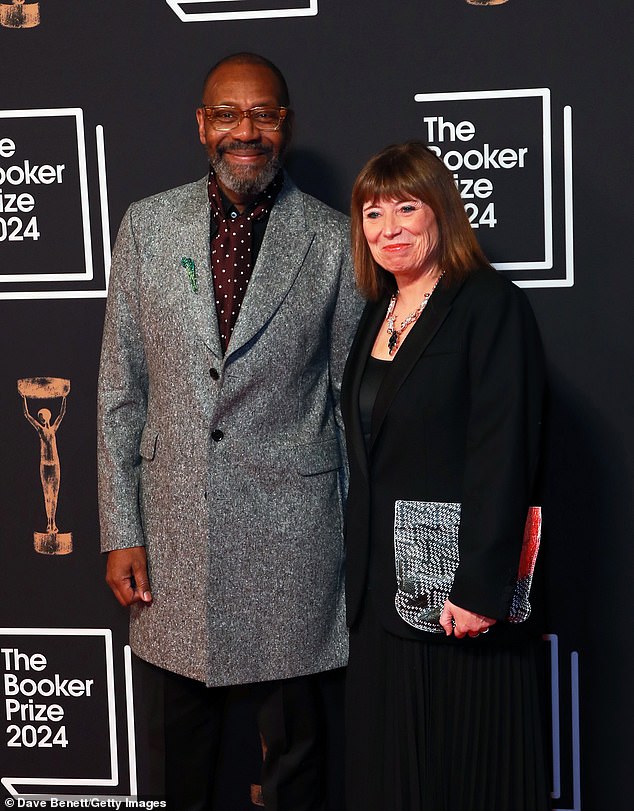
(545, 262)
(76, 114)
(11, 782)
(244, 10)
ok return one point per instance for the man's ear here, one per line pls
(289, 123)
(200, 118)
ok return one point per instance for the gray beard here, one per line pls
(241, 180)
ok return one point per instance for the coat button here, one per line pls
(217, 435)
(215, 374)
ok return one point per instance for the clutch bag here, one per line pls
(426, 556)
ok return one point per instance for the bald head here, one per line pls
(246, 58)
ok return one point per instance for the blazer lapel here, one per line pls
(369, 324)
(194, 237)
(412, 348)
(286, 243)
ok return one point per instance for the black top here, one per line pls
(373, 374)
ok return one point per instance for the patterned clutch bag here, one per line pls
(426, 554)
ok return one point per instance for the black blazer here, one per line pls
(457, 418)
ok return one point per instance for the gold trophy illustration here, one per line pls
(18, 14)
(51, 542)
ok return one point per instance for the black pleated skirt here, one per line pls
(443, 727)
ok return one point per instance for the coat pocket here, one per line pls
(147, 446)
(318, 457)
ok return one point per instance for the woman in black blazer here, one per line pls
(442, 399)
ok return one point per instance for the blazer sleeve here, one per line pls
(122, 398)
(506, 385)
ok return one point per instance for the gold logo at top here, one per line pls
(19, 14)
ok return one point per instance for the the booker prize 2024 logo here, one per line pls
(192, 11)
(57, 694)
(45, 239)
(497, 144)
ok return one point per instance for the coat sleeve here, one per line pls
(347, 311)
(122, 399)
(506, 384)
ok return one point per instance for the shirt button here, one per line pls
(233, 215)
(217, 435)
(215, 374)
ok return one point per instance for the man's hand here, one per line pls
(126, 574)
(460, 622)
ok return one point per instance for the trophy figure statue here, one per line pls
(18, 14)
(51, 542)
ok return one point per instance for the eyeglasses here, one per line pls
(225, 118)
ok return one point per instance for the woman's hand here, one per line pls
(460, 622)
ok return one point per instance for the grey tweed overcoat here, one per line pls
(229, 470)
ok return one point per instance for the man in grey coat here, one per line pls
(230, 312)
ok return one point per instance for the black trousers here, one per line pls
(182, 725)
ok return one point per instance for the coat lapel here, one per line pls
(286, 243)
(413, 347)
(194, 237)
(369, 323)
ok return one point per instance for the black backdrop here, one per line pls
(129, 73)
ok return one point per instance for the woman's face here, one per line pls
(402, 235)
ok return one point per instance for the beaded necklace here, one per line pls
(392, 331)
